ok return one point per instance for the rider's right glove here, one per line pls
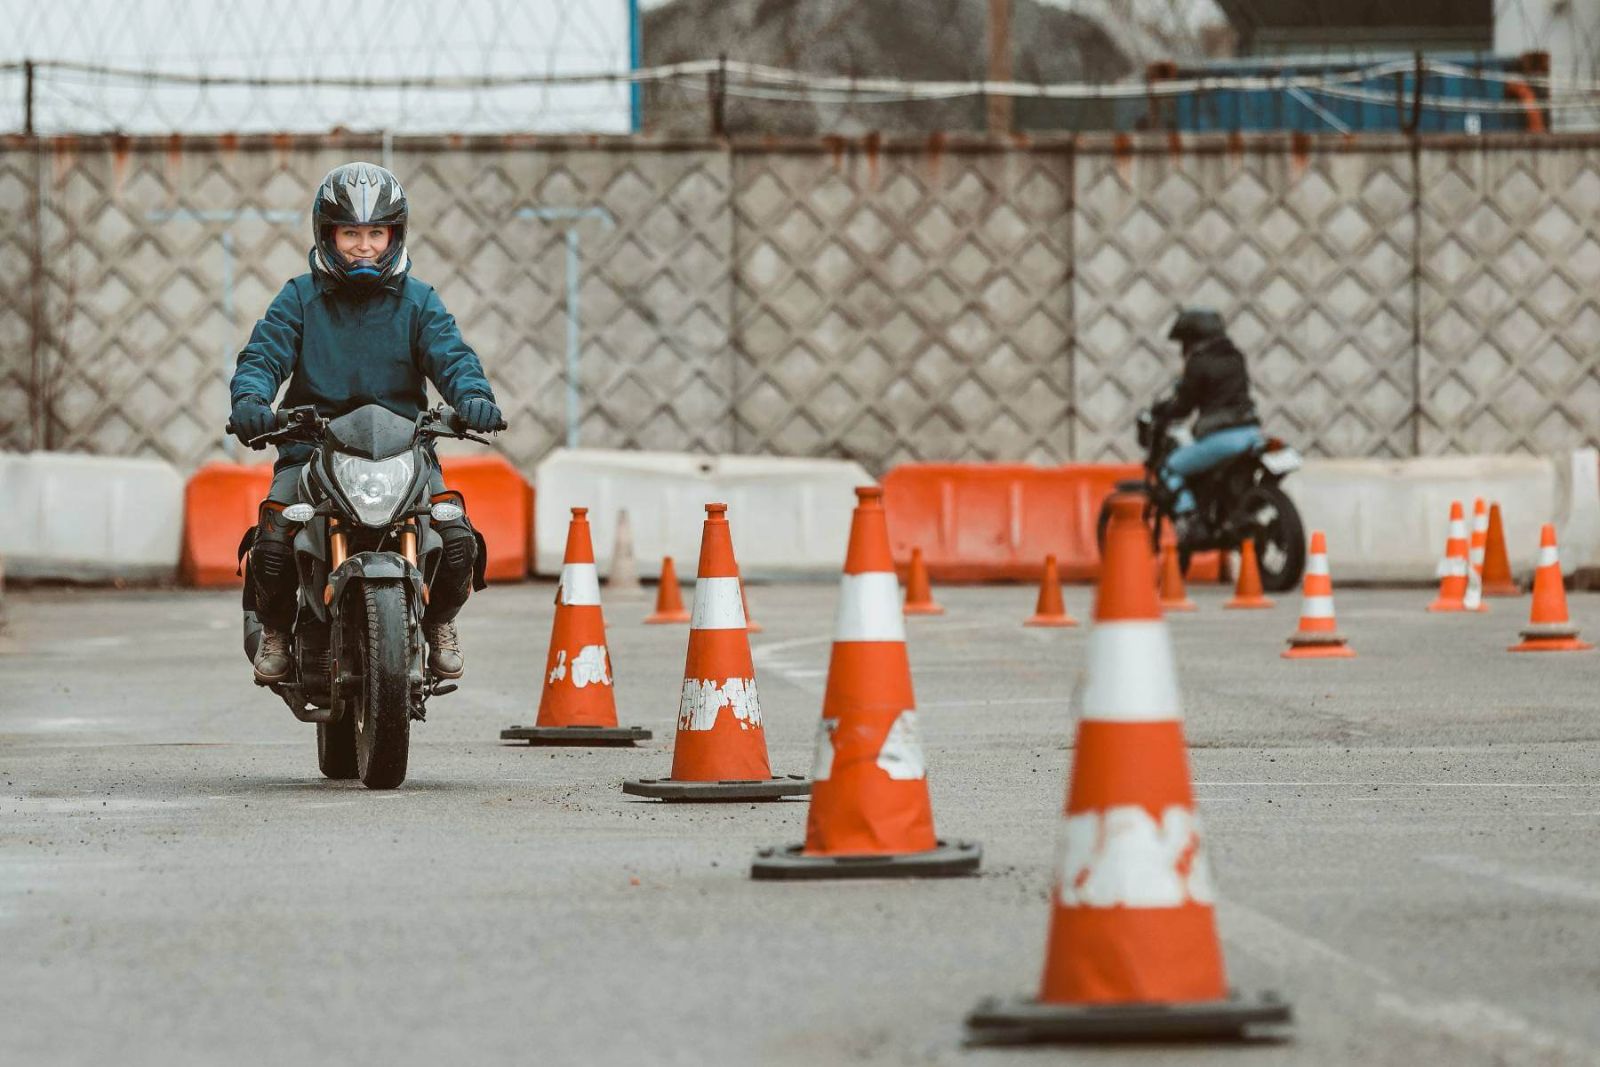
(252, 416)
(480, 414)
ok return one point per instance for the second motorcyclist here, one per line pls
(1216, 384)
(357, 329)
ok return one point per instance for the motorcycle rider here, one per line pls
(1216, 383)
(357, 329)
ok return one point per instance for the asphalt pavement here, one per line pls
(1407, 845)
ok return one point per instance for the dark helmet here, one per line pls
(1196, 325)
(359, 194)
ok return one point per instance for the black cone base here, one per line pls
(576, 735)
(1021, 1021)
(731, 789)
(947, 860)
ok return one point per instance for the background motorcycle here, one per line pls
(1235, 500)
(363, 542)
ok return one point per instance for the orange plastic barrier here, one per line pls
(219, 505)
(500, 505)
(221, 500)
(979, 522)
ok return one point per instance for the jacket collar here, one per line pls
(326, 285)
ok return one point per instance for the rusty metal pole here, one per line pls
(719, 96)
(999, 65)
(27, 98)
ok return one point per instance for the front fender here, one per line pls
(379, 567)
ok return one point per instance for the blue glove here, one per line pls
(252, 417)
(480, 415)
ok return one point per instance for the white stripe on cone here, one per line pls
(869, 608)
(1317, 564)
(1132, 677)
(580, 585)
(1122, 857)
(1547, 556)
(1317, 607)
(717, 605)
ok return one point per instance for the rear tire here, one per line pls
(382, 714)
(1281, 544)
(336, 748)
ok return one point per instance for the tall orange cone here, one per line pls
(1247, 593)
(1549, 627)
(1497, 579)
(1472, 600)
(1050, 611)
(577, 705)
(870, 815)
(1174, 596)
(1318, 635)
(1133, 949)
(1453, 570)
(721, 749)
(669, 598)
(919, 593)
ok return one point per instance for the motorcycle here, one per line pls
(363, 542)
(1235, 500)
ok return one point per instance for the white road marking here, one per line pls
(1418, 782)
(985, 702)
(1554, 885)
(1466, 1018)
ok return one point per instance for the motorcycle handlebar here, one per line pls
(452, 421)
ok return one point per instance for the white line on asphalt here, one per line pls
(1463, 785)
(1554, 885)
(988, 701)
(1466, 1018)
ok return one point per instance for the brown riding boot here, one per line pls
(272, 656)
(444, 649)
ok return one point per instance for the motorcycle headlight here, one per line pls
(375, 489)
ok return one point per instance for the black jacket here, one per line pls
(1216, 383)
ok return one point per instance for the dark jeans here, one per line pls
(274, 581)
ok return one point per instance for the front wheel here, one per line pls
(382, 714)
(1273, 522)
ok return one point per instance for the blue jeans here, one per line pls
(1202, 455)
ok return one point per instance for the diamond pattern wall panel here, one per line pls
(1510, 293)
(16, 294)
(1308, 258)
(902, 306)
(654, 232)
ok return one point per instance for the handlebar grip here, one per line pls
(283, 418)
(501, 425)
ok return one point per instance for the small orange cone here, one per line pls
(1453, 570)
(1050, 611)
(1497, 579)
(1174, 597)
(750, 624)
(721, 748)
(1318, 636)
(1549, 627)
(1133, 949)
(1473, 598)
(577, 704)
(669, 598)
(870, 816)
(1247, 593)
(919, 595)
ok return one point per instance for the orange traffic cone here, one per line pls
(721, 750)
(577, 705)
(1549, 627)
(1174, 597)
(1318, 636)
(919, 594)
(1497, 580)
(1472, 600)
(1453, 570)
(669, 598)
(1050, 611)
(870, 816)
(1247, 593)
(1133, 949)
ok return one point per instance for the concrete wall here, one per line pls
(882, 302)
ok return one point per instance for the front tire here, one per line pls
(382, 713)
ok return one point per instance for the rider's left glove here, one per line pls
(480, 415)
(252, 416)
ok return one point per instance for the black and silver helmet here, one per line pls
(359, 194)
(1197, 324)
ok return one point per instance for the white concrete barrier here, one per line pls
(790, 517)
(1387, 520)
(89, 518)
